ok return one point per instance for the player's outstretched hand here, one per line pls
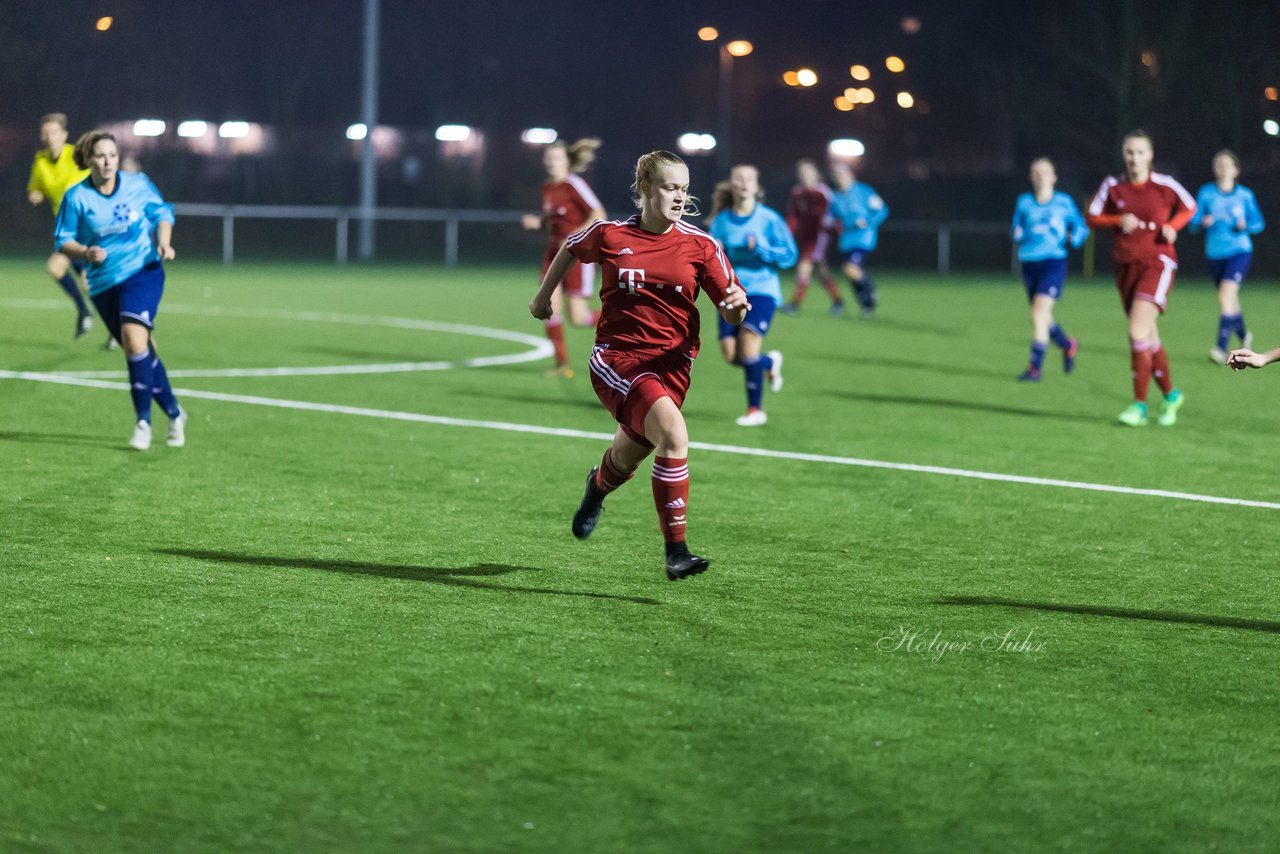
(165, 251)
(540, 308)
(1240, 359)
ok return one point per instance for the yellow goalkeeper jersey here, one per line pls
(53, 177)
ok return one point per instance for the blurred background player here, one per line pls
(568, 205)
(810, 225)
(1145, 210)
(1229, 214)
(758, 243)
(858, 211)
(53, 172)
(1044, 223)
(646, 340)
(118, 223)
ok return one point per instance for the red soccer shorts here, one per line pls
(814, 247)
(580, 281)
(628, 384)
(1148, 280)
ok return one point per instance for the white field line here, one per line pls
(539, 348)
(605, 437)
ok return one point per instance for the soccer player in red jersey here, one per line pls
(1145, 211)
(653, 267)
(811, 226)
(568, 204)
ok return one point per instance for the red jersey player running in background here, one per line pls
(811, 227)
(647, 338)
(1145, 210)
(567, 205)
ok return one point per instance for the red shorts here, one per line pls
(628, 384)
(580, 281)
(813, 247)
(1148, 280)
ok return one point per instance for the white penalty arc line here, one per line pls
(563, 432)
(539, 348)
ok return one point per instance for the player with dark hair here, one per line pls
(1229, 214)
(653, 266)
(120, 226)
(810, 223)
(1045, 223)
(53, 172)
(568, 204)
(1145, 210)
(859, 211)
(758, 243)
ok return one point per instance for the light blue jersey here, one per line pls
(859, 203)
(1224, 237)
(1043, 231)
(774, 249)
(121, 223)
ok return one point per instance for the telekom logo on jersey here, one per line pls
(635, 280)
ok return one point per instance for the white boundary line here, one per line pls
(606, 437)
(540, 348)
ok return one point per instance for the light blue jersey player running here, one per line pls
(858, 211)
(1045, 223)
(1229, 214)
(118, 223)
(758, 243)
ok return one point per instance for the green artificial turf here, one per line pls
(314, 631)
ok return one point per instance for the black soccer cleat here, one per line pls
(588, 514)
(684, 565)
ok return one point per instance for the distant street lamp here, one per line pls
(728, 52)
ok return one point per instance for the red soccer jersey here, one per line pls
(1158, 202)
(807, 210)
(566, 206)
(649, 282)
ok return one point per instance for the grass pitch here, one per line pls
(312, 630)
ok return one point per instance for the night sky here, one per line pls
(1003, 81)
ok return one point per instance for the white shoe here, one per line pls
(1247, 341)
(753, 418)
(86, 323)
(141, 438)
(178, 430)
(1218, 355)
(775, 376)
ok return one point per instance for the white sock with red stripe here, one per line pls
(671, 495)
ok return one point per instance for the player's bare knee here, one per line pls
(57, 265)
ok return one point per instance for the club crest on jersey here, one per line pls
(626, 250)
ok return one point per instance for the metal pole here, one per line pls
(342, 241)
(451, 243)
(724, 158)
(228, 237)
(944, 249)
(369, 115)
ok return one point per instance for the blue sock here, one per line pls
(160, 388)
(1239, 327)
(754, 369)
(1037, 355)
(1059, 337)
(69, 284)
(140, 384)
(1226, 325)
(865, 292)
